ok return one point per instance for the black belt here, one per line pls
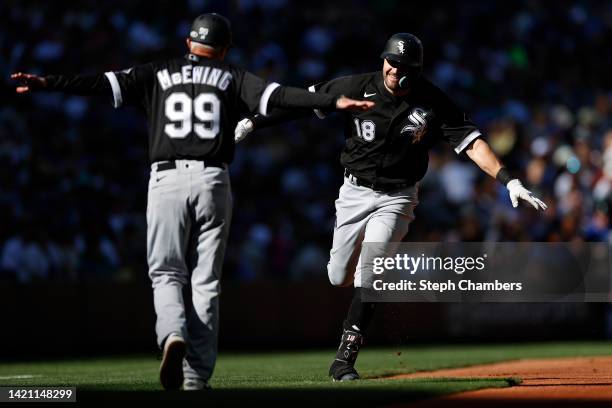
(169, 165)
(375, 186)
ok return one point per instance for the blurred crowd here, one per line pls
(73, 171)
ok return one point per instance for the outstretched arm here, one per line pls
(281, 115)
(481, 154)
(324, 94)
(77, 84)
(297, 98)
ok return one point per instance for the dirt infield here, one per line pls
(575, 382)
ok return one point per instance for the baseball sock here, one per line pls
(360, 313)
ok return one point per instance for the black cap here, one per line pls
(404, 48)
(211, 29)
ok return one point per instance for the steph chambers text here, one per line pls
(462, 285)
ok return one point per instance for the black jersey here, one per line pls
(389, 144)
(192, 103)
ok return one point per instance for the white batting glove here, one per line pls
(516, 191)
(243, 128)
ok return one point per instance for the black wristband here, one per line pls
(503, 176)
(256, 120)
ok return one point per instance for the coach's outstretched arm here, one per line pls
(288, 97)
(346, 85)
(77, 84)
(481, 154)
(274, 95)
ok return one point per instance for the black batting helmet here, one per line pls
(211, 29)
(404, 48)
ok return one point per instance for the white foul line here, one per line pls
(19, 377)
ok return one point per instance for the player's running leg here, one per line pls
(388, 224)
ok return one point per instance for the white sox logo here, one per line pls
(202, 33)
(400, 47)
(418, 124)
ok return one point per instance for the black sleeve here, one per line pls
(455, 126)
(259, 95)
(289, 97)
(128, 87)
(339, 86)
(131, 86)
(78, 84)
(251, 89)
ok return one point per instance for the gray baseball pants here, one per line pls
(366, 215)
(188, 217)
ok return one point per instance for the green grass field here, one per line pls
(299, 378)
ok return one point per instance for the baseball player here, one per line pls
(192, 105)
(385, 155)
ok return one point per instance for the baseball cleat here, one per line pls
(171, 368)
(343, 367)
(341, 371)
(347, 377)
(195, 384)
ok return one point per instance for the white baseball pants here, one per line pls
(365, 215)
(188, 217)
